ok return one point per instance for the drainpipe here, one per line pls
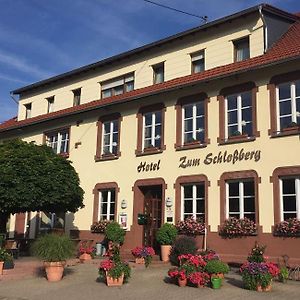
(265, 29)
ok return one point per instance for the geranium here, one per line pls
(100, 226)
(195, 260)
(144, 252)
(290, 227)
(209, 255)
(84, 248)
(257, 254)
(199, 278)
(177, 273)
(106, 265)
(234, 227)
(191, 226)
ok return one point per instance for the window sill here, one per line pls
(286, 132)
(238, 139)
(187, 146)
(64, 154)
(149, 151)
(106, 157)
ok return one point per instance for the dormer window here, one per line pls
(158, 73)
(27, 110)
(117, 86)
(77, 97)
(50, 102)
(241, 49)
(198, 63)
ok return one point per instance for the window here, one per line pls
(286, 193)
(193, 201)
(49, 221)
(237, 115)
(240, 199)
(289, 188)
(198, 63)
(76, 97)
(117, 86)
(108, 140)
(239, 195)
(58, 141)
(288, 104)
(191, 125)
(28, 110)
(50, 102)
(151, 129)
(241, 49)
(158, 73)
(107, 204)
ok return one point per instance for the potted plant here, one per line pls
(216, 268)
(283, 275)
(53, 249)
(8, 262)
(200, 279)
(143, 255)
(115, 235)
(85, 252)
(166, 236)
(288, 228)
(100, 226)
(190, 226)
(257, 274)
(3, 257)
(233, 227)
(114, 270)
(179, 274)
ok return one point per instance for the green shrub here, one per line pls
(166, 234)
(183, 245)
(216, 266)
(115, 233)
(53, 247)
(284, 274)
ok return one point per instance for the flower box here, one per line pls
(110, 281)
(140, 260)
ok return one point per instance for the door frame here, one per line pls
(138, 204)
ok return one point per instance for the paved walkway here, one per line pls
(80, 282)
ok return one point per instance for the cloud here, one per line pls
(13, 79)
(23, 65)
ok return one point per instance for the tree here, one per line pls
(34, 178)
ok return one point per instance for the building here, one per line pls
(202, 123)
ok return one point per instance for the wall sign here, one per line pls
(221, 158)
(146, 167)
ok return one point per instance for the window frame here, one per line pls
(59, 133)
(100, 155)
(52, 222)
(237, 176)
(140, 150)
(50, 104)
(96, 191)
(188, 100)
(278, 173)
(28, 110)
(238, 42)
(275, 130)
(76, 96)
(189, 180)
(109, 204)
(124, 85)
(194, 61)
(225, 92)
(156, 68)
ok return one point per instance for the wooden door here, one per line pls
(153, 209)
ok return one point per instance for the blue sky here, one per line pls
(43, 38)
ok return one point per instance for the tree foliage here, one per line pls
(34, 178)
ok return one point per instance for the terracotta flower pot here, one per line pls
(140, 260)
(165, 252)
(114, 282)
(54, 270)
(85, 257)
(1, 267)
(182, 282)
(268, 288)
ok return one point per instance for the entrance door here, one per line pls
(153, 209)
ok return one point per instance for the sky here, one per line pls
(44, 38)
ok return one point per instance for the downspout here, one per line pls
(265, 29)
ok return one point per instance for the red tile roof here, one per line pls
(286, 48)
